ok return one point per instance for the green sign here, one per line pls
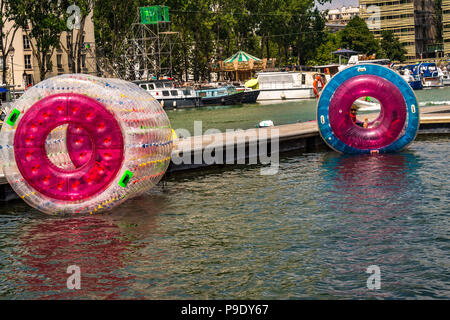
(154, 14)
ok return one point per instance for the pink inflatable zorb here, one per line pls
(77, 144)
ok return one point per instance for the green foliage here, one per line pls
(357, 36)
(212, 30)
(392, 47)
(324, 53)
(6, 35)
(46, 24)
(112, 21)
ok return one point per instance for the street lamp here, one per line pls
(11, 51)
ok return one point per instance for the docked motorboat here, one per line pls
(227, 95)
(446, 78)
(169, 96)
(428, 72)
(414, 81)
(250, 95)
(285, 85)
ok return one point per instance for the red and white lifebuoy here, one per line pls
(317, 79)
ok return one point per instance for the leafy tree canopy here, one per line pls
(391, 46)
(357, 36)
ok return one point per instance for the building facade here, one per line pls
(397, 16)
(342, 15)
(22, 66)
(446, 26)
(412, 21)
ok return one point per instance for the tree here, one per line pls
(357, 36)
(112, 20)
(46, 19)
(74, 48)
(324, 53)
(392, 47)
(6, 35)
(438, 22)
(211, 30)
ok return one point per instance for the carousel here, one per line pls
(239, 67)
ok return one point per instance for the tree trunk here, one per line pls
(79, 44)
(196, 57)
(286, 55)
(262, 47)
(279, 55)
(186, 66)
(42, 70)
(4, 59)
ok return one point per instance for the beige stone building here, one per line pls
(24, 64)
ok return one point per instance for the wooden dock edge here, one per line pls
(297, 136)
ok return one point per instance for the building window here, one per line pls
(83, 61)
(26, 43)
(28, 80)
(69, 62)
(59, 61)
(27, 59)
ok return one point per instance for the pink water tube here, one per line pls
(396, 125)
(82, 144)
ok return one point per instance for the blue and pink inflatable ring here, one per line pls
(394, 128)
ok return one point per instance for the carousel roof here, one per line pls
(241, 56)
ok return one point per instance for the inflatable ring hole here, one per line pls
(366, 112)
(56, 148)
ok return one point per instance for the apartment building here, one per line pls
(22, 66)
(412, 21)
(446, 26)
(397, 16)
(342, 15)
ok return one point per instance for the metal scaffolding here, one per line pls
(148, 50)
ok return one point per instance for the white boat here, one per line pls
(170, 96)
(355, 59)
(364, 105)
(430, 74)
(285, 85)
(446, 78)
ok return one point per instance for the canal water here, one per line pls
(311, 231)
(249, 115)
